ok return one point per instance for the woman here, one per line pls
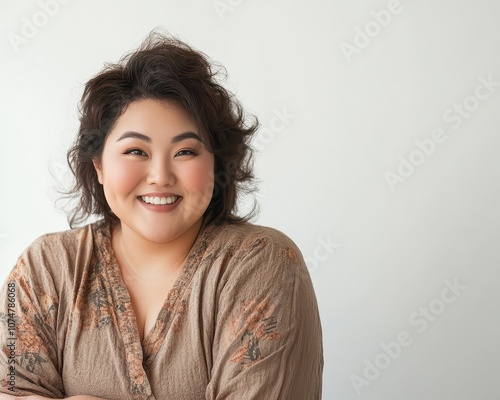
(169, 295)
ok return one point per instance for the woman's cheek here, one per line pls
(123, 176)
(201, 180)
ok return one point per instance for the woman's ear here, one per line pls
(98, 169)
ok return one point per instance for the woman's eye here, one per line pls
(135, 152)
(185, 153)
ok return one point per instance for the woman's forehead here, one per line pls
(160, 122)
(151, 117)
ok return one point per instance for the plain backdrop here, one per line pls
(378, 156)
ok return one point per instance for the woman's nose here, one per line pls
(160, 173)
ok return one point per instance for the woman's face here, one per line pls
(157, 175)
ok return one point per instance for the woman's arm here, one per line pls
(29, 305)
(268, 342)
(34, 397)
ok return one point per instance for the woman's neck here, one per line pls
(141, 259)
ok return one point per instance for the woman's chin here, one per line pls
(162, 235)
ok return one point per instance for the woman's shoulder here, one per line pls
(66, 239)
(63, 250)
(248, 233)
(251, 241)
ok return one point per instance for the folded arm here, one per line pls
(36, 397)
(28, 320)
(268, 343)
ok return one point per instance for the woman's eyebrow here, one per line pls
(175, 139)
(135, 135)
(186, 135)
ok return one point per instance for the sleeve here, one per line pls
(268, 339)
(28, 323)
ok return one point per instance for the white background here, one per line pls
(355, 118)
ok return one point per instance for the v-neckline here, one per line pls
(140, 356)
(171, 299)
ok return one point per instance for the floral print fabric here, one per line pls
(241, 321)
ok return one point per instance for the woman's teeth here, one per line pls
(159, 200)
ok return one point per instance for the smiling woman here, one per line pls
(139, 172)
(170, 294)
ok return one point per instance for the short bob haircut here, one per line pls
(166, 69)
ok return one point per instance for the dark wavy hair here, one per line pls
(165, 68)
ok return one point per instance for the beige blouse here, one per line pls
(241, 321)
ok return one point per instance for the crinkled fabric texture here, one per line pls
(241, 321)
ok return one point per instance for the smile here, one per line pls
(159, 200)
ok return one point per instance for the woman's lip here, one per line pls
(161, 207)
(159, 200)
(159, 194)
